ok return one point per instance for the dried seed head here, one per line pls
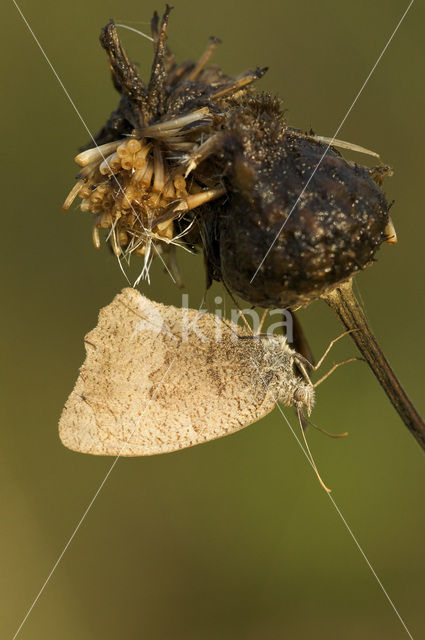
(139, 165)
(298, 220)
(196, 145)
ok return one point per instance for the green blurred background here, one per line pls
(233, 539)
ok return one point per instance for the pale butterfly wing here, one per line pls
(150, 384)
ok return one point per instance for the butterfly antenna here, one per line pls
(313, 464)
(331, 435)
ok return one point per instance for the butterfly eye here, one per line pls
(300, 395)
(304, 395)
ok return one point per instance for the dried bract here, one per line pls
(143, 176)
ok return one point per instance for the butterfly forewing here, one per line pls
(158, 379)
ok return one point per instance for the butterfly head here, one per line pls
(303, 397)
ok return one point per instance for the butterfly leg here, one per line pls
(263, 317)
(302, 365)
(329, 347)
(332, 369)
(338, 364)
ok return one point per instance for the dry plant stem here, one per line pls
(343, 301)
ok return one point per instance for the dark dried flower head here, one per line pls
(279, 242)
(196, 157)
(143, 174)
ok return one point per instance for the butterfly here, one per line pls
(158, 378)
